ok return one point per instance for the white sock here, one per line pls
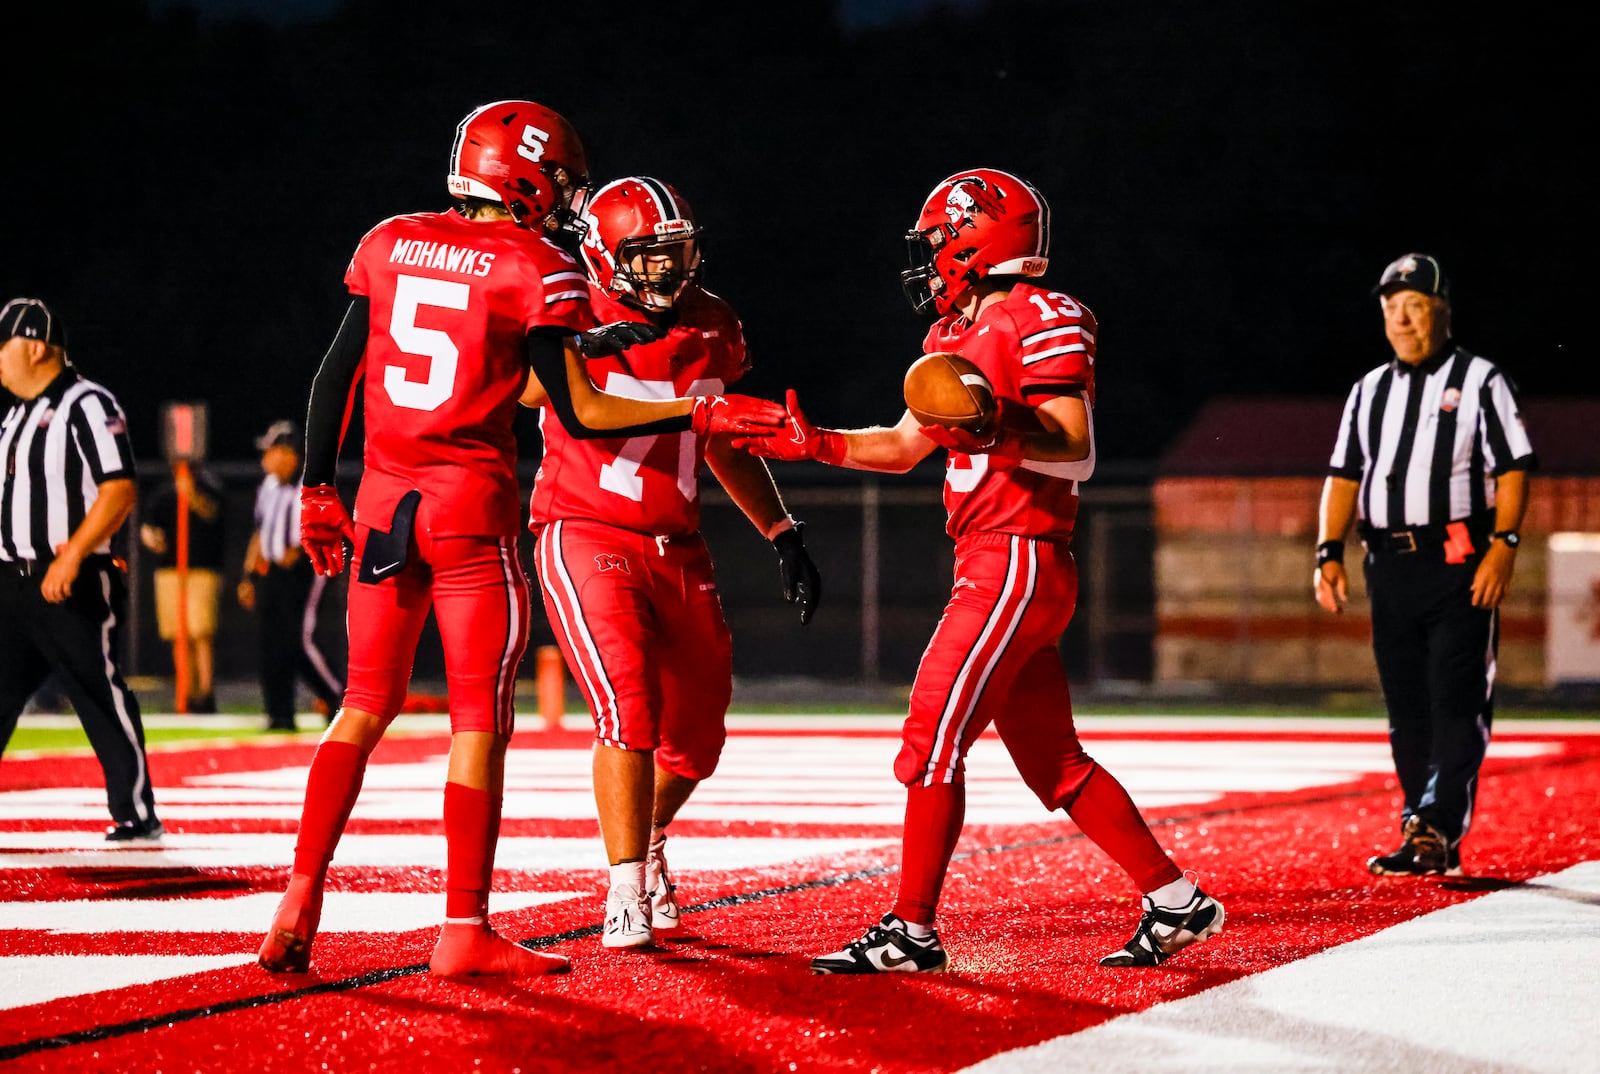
(1178, 893)
(918, 932)
(628, 873)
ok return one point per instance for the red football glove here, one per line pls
(742, 415)
(324, 527)
(798, 440)
(1004, 446)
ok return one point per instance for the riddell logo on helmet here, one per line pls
(1033, 266)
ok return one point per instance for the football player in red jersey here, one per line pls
(1011, 496)
(626, 575)
(449, 311)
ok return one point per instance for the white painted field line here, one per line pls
(529, 728)
(30, 979)
(1506, 982)
(225, 850)
(790, 779)
(342, 911)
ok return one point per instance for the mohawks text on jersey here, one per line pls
(441, 255)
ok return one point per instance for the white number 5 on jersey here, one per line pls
(410, 293)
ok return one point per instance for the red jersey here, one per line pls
(648, 484)
(1034, 345)
(451, 302)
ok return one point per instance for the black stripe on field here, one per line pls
(376, 977)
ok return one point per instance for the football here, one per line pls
(947, 389)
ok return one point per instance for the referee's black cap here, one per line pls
(1414, 272)
(31, 319)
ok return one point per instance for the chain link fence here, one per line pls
(878, 541)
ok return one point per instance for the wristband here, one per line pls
(832, 447)
(1330, 552)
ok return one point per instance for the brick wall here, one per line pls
(1233, 584)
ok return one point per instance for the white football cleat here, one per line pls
(661, 891)
(627, 918)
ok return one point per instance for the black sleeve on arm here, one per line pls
(547, 357)
(329, 409)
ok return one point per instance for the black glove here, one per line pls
(615, 337)
(802, 584)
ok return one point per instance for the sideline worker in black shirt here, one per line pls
(1431, 463)
(66, 486)
(202, 588)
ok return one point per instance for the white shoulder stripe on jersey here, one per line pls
(1070, 348)
(1051, 333)
(564, 274)
(560, 296)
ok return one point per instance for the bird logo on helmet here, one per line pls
(974, 224)
(523, 156)
(640, 242)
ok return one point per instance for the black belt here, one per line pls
(1403, 542)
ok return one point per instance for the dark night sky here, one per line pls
(1228, 179)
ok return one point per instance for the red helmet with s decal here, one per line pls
(523, 156)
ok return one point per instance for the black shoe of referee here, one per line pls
(135, 830)
(1404, 862)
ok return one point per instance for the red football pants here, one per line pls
(993, 659)
(640, 624)
(479, 595)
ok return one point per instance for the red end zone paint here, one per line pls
(1028, 910)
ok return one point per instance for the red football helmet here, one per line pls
(974, 224)
(523, 156)
(640, 242)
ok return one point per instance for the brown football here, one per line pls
(947, 389)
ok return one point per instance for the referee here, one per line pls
(282, 589)
(66, 487)
(1431, 462)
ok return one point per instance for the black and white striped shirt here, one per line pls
(57, 449)
(1426, 442)
(278, 517)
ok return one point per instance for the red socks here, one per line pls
(933, 823)
(1108, 816)
(471, 830)
(478, 951)
(331, 790)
